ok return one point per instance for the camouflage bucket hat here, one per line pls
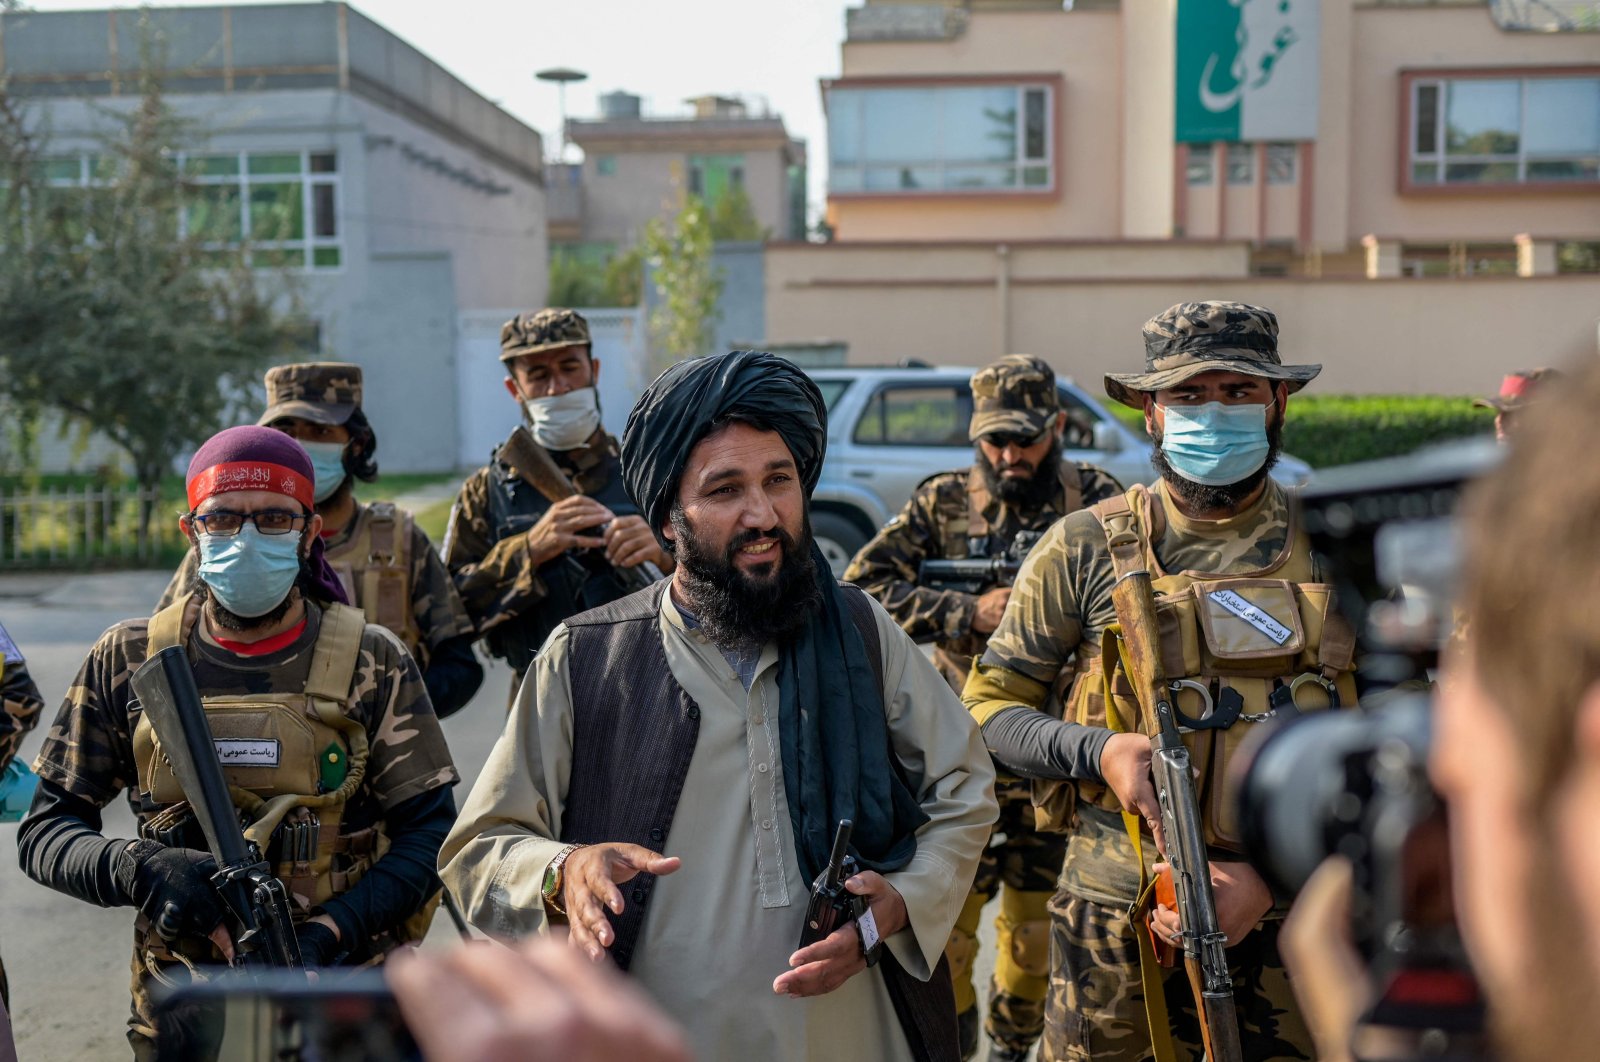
(533, 333)
(1196, 337)
(1517, 391)
(1015, 394)
(325, 392)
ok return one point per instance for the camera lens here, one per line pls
(1309, 788)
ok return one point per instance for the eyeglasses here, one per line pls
(224, 524)
(1002, 439)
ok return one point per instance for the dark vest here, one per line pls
(633, 734)
(573, 582)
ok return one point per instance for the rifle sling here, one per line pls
(1128, 551)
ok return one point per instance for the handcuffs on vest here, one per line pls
(1227, 707)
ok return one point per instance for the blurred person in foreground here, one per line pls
(1516, 756)
(539, 1001)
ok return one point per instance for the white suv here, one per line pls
(890, 429)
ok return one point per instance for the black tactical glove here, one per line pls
(172, 886)
(319, 946)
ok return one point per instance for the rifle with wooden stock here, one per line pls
(1204, 945)
(534, 465)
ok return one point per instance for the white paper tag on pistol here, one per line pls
(867, 926)
(1252, 615)
(247, 752)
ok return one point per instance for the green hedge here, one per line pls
(1325, 430)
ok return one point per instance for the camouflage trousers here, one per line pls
(1021, 866)
(1096, 1006)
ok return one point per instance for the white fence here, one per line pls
(76, 527)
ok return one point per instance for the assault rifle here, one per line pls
(257, 902)
(534, 466)
(1204, 944)
(972, 575)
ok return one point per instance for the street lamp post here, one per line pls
(561, 75)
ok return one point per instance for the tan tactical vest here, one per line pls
(292, 761)
(1258, 644)
(374, 564)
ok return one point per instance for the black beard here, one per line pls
(1205, 498)
(738, 613)
(1031, 494)
(232, 621)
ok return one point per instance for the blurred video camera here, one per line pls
(1355, 783)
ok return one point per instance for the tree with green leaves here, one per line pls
(689, 285)
(733, 217)
(111, 313)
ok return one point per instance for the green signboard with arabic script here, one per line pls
(1247, 69)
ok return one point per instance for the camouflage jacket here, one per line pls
(435, 605)
(1061, 604)
(937, 523)
(490, 565)
(89, 750)
(22, 700)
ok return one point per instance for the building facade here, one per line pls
(399, 198)
(1007, 174)
(638, 167)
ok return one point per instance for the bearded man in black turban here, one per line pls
(677, 764)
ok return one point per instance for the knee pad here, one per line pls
(1030, 947)
(962, 951)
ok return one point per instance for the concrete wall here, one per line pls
(617, 206)
(651, 184)
(418, 199)
(1399, 336)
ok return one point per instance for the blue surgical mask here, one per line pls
(327, 466)
(1215, 444)
(250, 573)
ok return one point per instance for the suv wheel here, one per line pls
(838, 538)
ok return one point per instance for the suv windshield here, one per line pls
(831, 390)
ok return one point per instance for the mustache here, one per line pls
(750, 536)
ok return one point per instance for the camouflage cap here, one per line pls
(534, 332)
(1517, 390)
(1015, 394)
(1196, 337)
(325, 392)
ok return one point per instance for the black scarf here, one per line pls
(837, 762)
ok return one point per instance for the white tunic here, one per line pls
(722, 927)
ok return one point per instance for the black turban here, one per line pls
(834, 739)
(679, 409)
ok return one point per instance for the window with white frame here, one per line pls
(1504, 130)
(941, 138)
(1283, 163)
(1241, 164)
(1201, 169)
(285, 205)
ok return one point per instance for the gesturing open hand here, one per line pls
(589, 889)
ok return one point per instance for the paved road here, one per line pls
(68, 961)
